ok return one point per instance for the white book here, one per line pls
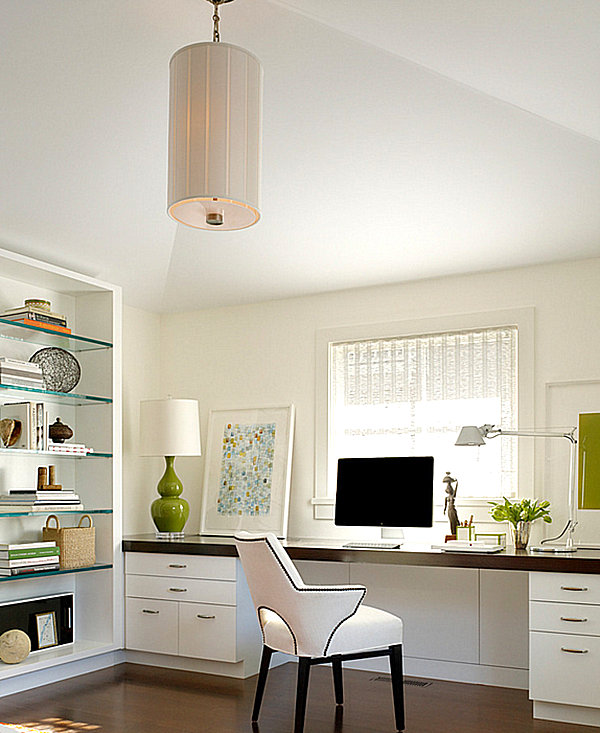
(22, 562)
(26, 545)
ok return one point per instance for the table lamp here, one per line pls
(475, 436)
(169, 428)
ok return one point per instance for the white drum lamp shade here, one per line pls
(215, 136)
(169, 428)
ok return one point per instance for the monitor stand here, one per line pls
(393, 533)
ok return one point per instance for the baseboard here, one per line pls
(29, 680)
(238, 670)
(478, 674)
(566, 713)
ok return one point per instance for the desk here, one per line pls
(466, 615)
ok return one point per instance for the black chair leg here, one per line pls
(262, 681)
(301, 692)
(338, 684)
(397, 684)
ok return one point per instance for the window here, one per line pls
(410, 395)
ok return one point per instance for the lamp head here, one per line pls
(472, 435)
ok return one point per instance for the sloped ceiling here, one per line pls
(402, 139)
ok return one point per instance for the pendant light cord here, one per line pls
(216, 21)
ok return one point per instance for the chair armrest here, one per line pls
(318, 611)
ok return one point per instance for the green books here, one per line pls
(29, 552)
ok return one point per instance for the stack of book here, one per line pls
(69, 448)
(42, 500)
(33, 417)
(28, 557)
(32, 316)
(17, 373)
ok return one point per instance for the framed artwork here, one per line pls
(46, 629)
(247, 471)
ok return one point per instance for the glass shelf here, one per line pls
(24, 451)
(46, 337)
(97, 566)
(62, 398)
(54, 511)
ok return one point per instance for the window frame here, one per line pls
(523, 318)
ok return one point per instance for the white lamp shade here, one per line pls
(470, 435)
(215, 136)
(169, 428)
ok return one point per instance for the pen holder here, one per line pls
(466, 533)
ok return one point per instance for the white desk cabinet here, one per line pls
(194, 608)
(564, 669)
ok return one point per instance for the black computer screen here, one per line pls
(385, 492)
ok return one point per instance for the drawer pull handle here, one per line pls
(178, 590)
(573, 620)
(569, 587)
(574, 651)
(175, 565)
(203, 615)
(148, 610)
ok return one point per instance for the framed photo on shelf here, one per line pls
(248, 470)
(46, 629)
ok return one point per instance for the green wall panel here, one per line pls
(589, 460)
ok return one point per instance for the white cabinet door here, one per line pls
(565, 669)
(207, 631)
(151, 625)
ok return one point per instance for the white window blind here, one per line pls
(411, 395)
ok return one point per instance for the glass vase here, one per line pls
(521, 532)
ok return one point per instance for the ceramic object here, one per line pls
(10, 431)
(15, 645)
(40, 305)
(59, 431)
(60, 369)
(170, 512)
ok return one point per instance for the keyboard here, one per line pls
(372, 545)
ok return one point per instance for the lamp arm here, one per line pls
(490, 431)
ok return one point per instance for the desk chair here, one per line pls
(318, 624)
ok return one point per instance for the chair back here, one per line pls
(272, 577)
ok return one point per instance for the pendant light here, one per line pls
(215, 134)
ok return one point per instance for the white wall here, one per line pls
(264, 354)
(141, 380)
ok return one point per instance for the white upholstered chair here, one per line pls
(318, 624)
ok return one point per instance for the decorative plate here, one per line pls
(60, 369)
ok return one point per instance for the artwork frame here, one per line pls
(47, 634)
(247, 473)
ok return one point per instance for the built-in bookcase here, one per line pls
(93, 410)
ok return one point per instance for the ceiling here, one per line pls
(402, 139)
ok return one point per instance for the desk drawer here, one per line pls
(183, 566)
(571, 618)
(564, 668)
(181, 589)
(151, 626)
(567, 587)
(207, 631)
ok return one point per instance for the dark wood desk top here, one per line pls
(582, 561)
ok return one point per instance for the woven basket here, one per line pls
(77, 544)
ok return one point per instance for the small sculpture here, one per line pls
(10, 432)
(449, 502)
(59, 431)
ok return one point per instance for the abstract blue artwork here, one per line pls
(247, 456)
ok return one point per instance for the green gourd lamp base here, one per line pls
(170, 512)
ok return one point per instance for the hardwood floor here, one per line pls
(136, 699)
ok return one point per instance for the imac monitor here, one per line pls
(384, 492)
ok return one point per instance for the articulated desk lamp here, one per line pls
(471, 435)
